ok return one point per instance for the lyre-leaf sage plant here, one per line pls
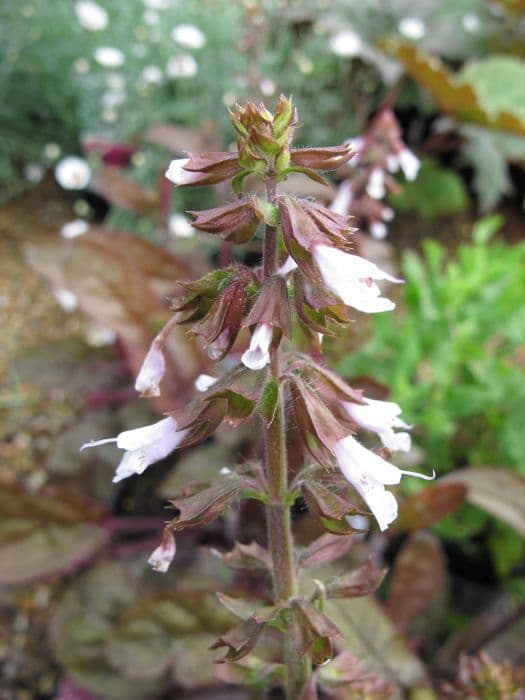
(309, 283)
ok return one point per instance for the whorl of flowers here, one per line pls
(379, 154)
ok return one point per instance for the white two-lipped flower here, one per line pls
(176, 173)
(369, 473)
(381, 417)
(151, 373)
(143, 446)
(352, 279)
(163, 555)
(258, 354)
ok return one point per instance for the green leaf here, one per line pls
(498, 491)
(370, 635)
(499, 82)
(436, 191)
(268, 402)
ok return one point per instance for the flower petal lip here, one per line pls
(381, 417)
(369, 474)
(258, 354)
(351, 278)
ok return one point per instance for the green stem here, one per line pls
(280, 540)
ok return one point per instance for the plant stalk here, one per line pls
(280, 540)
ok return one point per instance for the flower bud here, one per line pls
(204, 169)
(235, 222)
(152, 370)
(162, 557)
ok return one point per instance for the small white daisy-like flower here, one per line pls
(73, 173)
(346, 44)
(91, 16)
(412, 28)
(109, 56)
(189, 36)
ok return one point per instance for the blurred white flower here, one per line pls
(471, 23)
(412, 28)
(409, 163)
(98, 336)
(183, 65)
(109, 56)
(378, 230)
(180, 227)
(189, 36)
(346, 44)
(267, 87)
(74, 228)
(81, 65)
(33, 172)
(151, 75)
(91, 16)
(376, 184)
(72, 173)
(52, 151)
(204, 382)
(66, 298)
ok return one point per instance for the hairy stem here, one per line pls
(278, 517)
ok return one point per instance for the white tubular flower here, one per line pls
(409, 164)
(204, 382)
(343, 198)
(288, 266)
(180, 227)
(72, 173)
(176, 173)
(143, 446)
(163, 555)
(258, 354)
(381, 417)
(91, 16)
(109, 56)
(368, 473)
(376, 184)
(392, 163)
(189, 36)
(351, 278)
(151, 373)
